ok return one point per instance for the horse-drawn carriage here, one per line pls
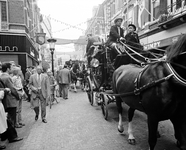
(101, 68)
(155, 86)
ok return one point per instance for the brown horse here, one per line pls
(159, 90)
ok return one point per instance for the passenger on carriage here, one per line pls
(116, 34)
(132, 38)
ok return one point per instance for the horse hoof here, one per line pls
(132, 141)
(120, 129)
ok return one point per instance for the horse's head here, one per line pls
(176, 56)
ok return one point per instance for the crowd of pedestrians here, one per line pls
(37, 87)
(11, 95)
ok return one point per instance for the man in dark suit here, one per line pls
(116, 34)
(65, 79)
(11, 100)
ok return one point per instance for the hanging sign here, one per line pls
(40, 38)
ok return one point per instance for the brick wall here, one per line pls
(16, 11)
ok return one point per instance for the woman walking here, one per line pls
(17, 81)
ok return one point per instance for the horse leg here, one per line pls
(152, 127)
(131, 139)
(119, 107)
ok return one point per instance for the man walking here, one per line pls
(59, 81)
(65, 79)
(40, 91)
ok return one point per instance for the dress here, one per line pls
(3, 122)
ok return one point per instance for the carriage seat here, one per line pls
(98, 43)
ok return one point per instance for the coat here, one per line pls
(11, 99)
(132, 40)
(27, 76)
(114, 35)
(45, 85)
(3, 123)
(64, 76)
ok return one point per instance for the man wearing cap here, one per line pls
(116, 33)
(132, 38)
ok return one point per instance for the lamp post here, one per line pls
(52, 48)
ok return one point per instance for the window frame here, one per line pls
(1, 18)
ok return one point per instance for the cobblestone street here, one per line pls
(74, 124)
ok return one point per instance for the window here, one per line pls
(131, 16)
(156, 9)
(3, 11)
(178, 4)
(3, 15)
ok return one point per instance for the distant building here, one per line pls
(96, 25)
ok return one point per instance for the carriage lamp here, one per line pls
(94, 62)
(52, 48)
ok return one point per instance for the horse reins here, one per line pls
(172, 73)
(137, 91)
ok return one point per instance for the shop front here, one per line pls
(18, 48)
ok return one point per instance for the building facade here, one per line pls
(19, 23)
(158, 22)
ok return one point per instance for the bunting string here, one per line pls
(69, 26)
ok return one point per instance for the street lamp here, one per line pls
(52, 48)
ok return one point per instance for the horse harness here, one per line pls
(172, 73)
(138, 89)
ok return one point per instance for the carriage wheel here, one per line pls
(89, 90)
(104, 107)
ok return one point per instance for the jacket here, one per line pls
(114, 35)
(64, 76)
(45, 85)
(132, 40)
(11, 99)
